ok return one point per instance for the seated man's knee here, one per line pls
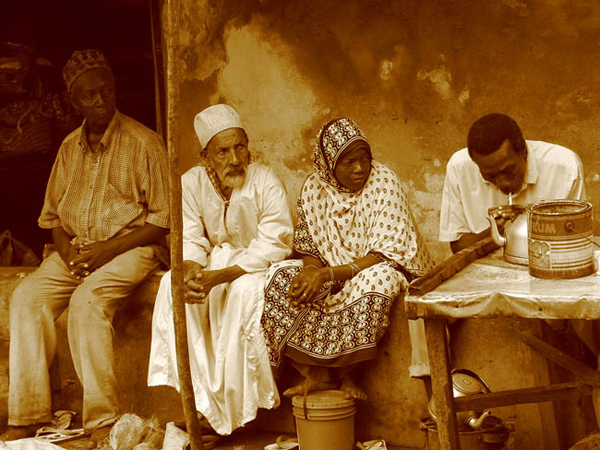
(27, 298)
(91, 302)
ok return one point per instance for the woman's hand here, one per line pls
(306, 285)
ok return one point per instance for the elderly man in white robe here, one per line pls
(236, 222)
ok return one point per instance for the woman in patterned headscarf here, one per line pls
(360, 249)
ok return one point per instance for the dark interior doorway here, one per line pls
(53, 30)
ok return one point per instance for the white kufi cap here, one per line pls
(213, 120)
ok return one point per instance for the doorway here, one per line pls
(51, 31)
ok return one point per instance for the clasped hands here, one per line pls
(83, 259)
(198, 282)
(306, 285)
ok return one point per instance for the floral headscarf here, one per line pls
(339, 226)
(332, 140)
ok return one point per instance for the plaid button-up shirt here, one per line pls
(112, 191)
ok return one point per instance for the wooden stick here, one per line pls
(539, 394)
(451, 266)
(581, 370)
(181, 342)
(441, 383)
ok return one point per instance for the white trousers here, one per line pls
(35, 305)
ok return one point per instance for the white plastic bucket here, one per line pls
(325, 420)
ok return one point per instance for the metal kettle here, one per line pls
(515, 239)
(466, 382)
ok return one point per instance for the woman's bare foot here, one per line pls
(351, 390)
(308, 385)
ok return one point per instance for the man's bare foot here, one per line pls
(308, 385)
(14, 433)
(351, 390)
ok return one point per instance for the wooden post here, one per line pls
(159, 70)
(181, 342)
(441, 384)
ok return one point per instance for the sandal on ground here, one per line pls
(56, 435)
(283, 443)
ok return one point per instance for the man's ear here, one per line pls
(204, 152)
(523, 149)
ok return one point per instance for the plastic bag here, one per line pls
(15, 253)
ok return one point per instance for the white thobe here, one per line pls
(229, 363)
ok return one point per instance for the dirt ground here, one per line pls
(242, 440)
(245, 439)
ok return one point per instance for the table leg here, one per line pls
(441, 383)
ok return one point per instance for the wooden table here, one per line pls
(491, 287)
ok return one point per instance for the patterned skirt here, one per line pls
(344, 324)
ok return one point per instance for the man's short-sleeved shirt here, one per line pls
(553, 172)
(111, 191)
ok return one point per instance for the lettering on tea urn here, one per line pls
(544, 227)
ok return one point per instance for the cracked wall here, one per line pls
(413, 74)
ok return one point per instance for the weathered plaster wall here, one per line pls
(414, 74)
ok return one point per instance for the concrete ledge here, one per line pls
(396, 402)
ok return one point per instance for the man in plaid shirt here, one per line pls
(107, 206)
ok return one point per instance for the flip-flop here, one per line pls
(377, 444)
(281, 443)
(55, 435)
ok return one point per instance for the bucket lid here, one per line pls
(323, 400)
